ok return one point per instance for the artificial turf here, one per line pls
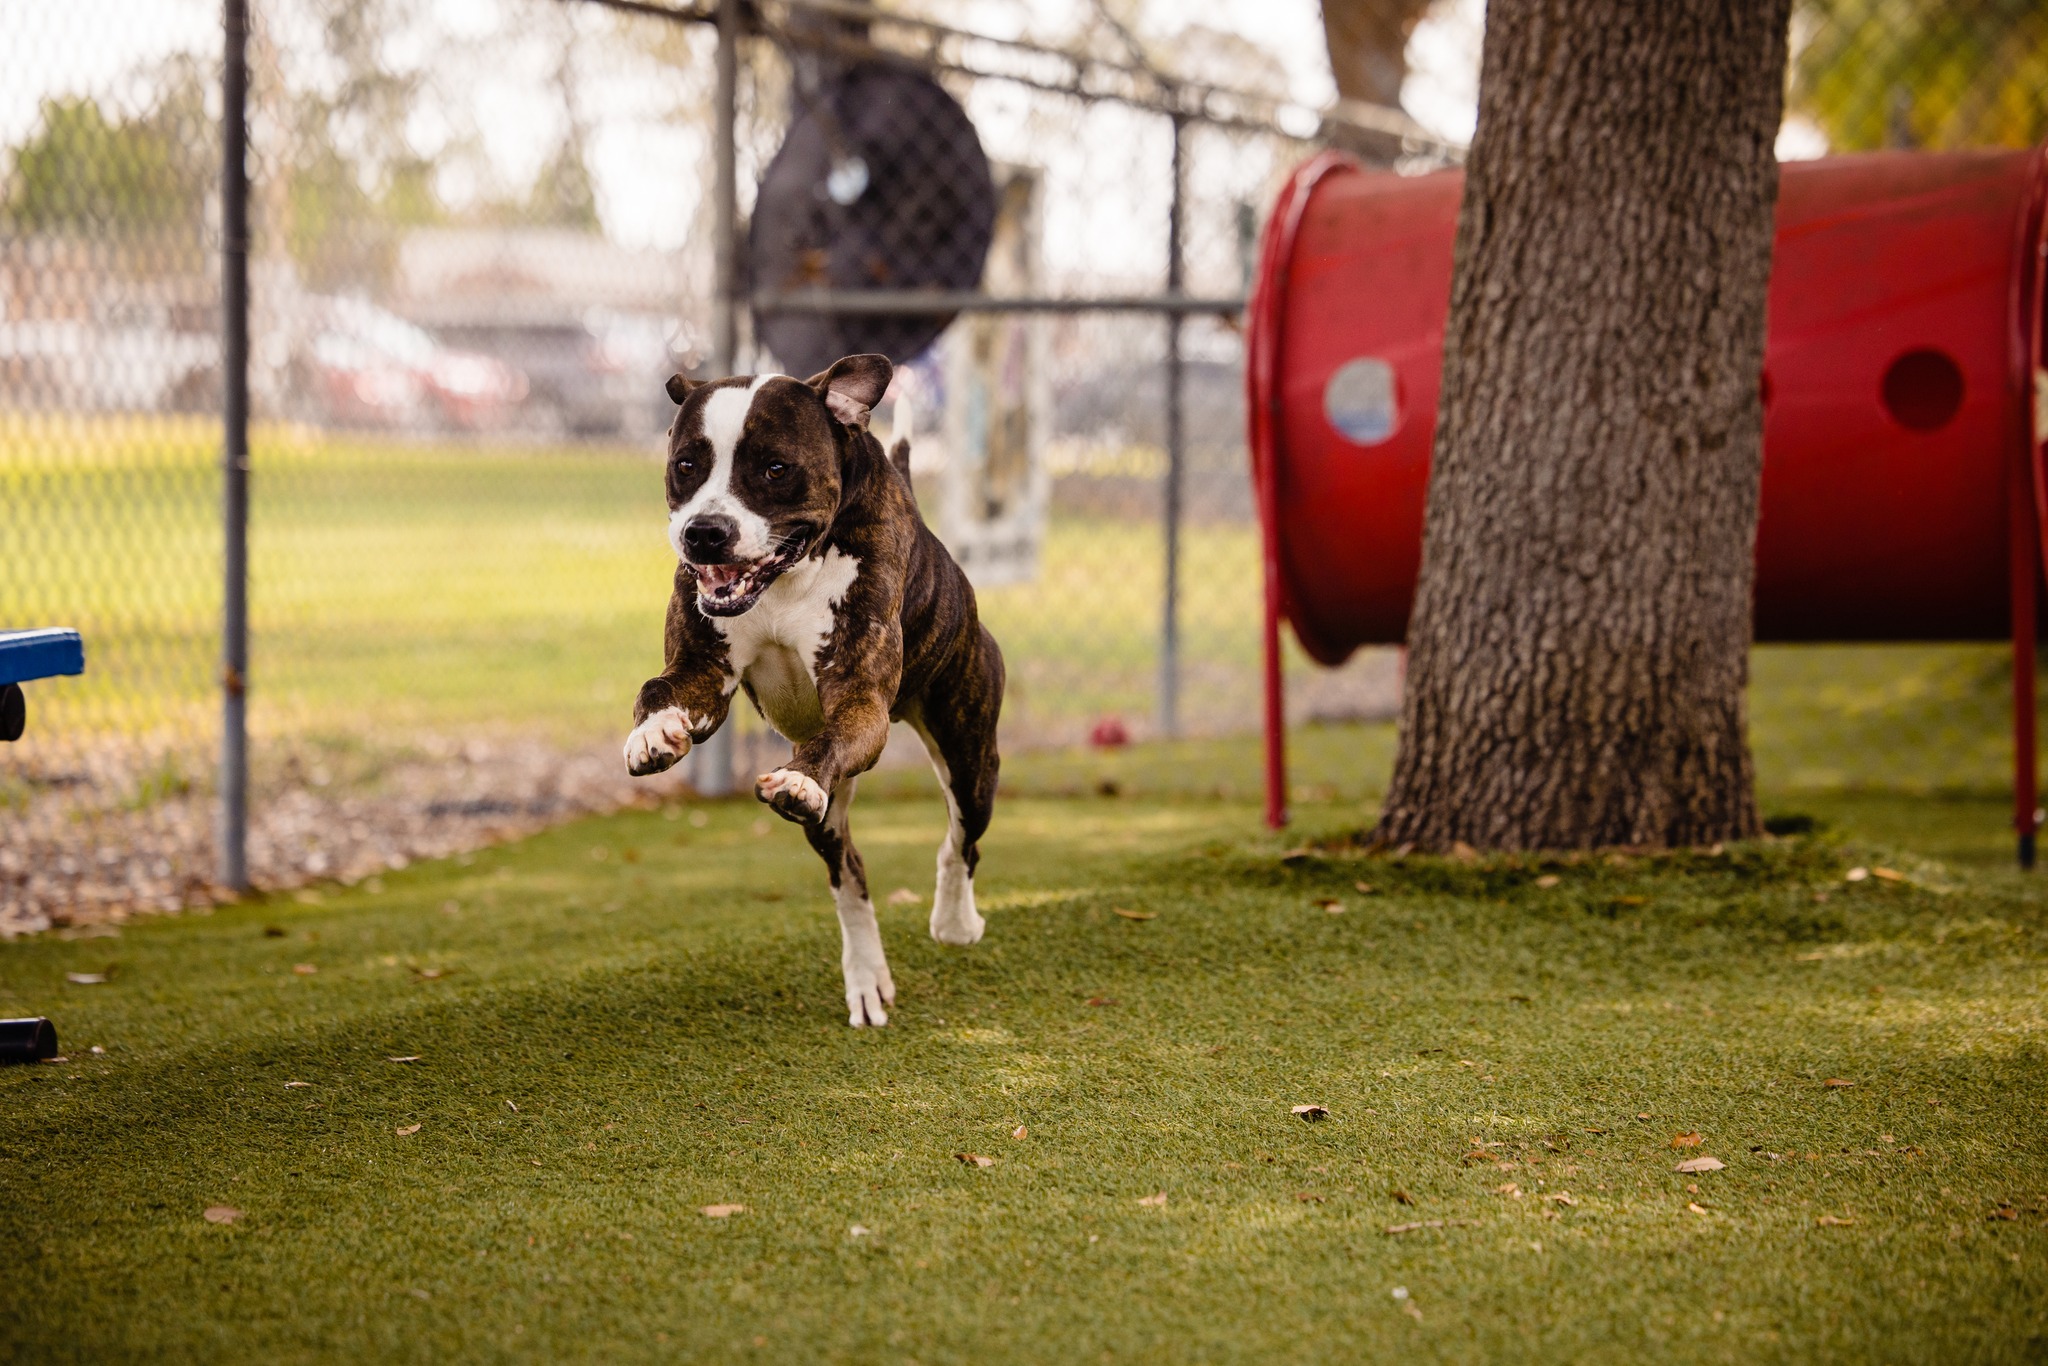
(623, 1021)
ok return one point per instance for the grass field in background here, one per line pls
(401, 588)
(628, 1019)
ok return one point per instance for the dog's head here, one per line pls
(756, 468)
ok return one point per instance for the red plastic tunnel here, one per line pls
(1901, 379)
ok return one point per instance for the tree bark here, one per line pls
(1579, 645)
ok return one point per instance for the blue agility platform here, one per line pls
(29, 655)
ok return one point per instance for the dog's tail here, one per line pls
(902, 427)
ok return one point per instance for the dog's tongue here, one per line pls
(716, 578)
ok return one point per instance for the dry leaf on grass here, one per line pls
(1102, 1000)
(1695, 1207)
(1509, 1189)
(85, 979)
(903, 896)
(975, 1159)
(858, 1231)
(1837, 1083)
(1463, 852)
(1330, 905)
(1364, 888)
(305, 969)
(1153, 1200)
(1691, 1140)
(410, 1057)
(1308, 1197)
(2004, 1212)
(1835, 1221)
(407, 1130)
(1562, 1198)
(221, 1214)
(1403, 1197)
(1548, 880)
(290, 1084)
(1888, 874)
(1700, 1164)
(1019, 1132)
(1134, 915)
(1856, 875)
(720, 1211)
(1311, 1113)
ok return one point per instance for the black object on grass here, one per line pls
(27, 1040)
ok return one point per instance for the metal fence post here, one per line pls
(712, 769)
(1169, 634)
(234, 293)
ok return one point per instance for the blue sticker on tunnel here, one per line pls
(1360, 401)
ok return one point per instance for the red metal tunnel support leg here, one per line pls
(1276, 699)
(2026, 551)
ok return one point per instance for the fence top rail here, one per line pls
(1062, 72)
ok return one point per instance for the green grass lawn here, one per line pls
(625, 1020)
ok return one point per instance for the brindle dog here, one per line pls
(807, 577)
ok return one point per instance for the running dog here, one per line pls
(806, 576)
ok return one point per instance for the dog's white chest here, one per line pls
(775, 644)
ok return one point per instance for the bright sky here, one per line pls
(494, 63)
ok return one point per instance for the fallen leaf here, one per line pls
(1696, 1207)
(1153, 1200)
(1509, 1189)
(1837, 1083)
(290, 1084)
(1311, 1113)
(1562, 1198)
(510, 1106)
(1856, 875)
(1019, 1131)
(1548, 880)
(720, 1211)
(1888, 874)
(858, 1231)
(408, 1130)
(1403, 1197)
(1134, 915)
(1412, 1312)
(410, 1057)
(1700, 1164)
(2005, 1212)
(1410, 1228)
(1835, 1221)
(1308, 1197)
(1691, 1140)
(1463, 852)
(1644, 1115)
(305, 969)
(975, 1159)
(1364, 888)
(1102, 1000)
(1330, 905)
(903, 896)
(221, 1214)
(85, 979)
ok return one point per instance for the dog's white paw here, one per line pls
(794, 796)
(954, 919)
(659, 742)
(868, 990)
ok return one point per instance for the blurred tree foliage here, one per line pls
(1922, 73)
(84, 170)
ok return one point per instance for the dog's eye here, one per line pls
(776, 469)
(685, 464)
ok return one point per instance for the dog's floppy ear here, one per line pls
(680, 388)
(853, 386)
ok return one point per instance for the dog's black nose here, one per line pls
(708, 540)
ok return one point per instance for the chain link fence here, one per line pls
(481, 237)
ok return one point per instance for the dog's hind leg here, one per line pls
(960, 737)
(869, 990)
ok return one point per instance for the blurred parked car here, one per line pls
(588, 374)
(364, 366)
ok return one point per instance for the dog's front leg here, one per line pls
(688, 699)
(856, 728)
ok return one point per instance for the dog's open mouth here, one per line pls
(726, 590)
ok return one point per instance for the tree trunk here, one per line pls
(1579, 646)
